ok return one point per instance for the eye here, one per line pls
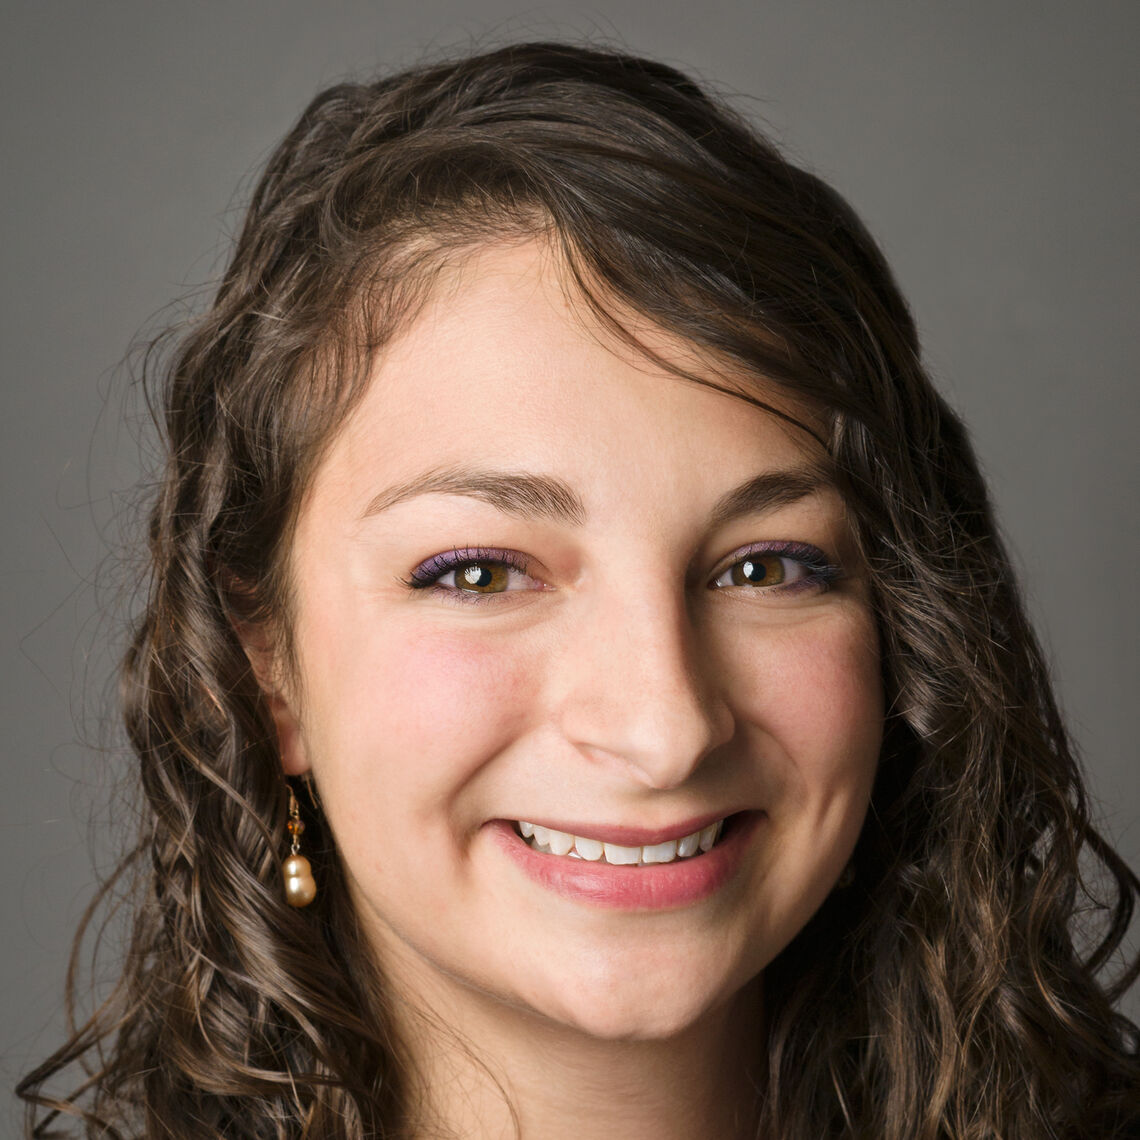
(470, 574)
(478, 577)
(760, 570)
(778, 567)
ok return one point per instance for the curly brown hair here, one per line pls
(955, 991)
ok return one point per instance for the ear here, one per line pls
(278, 694)
(290, 739)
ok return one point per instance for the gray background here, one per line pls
(989, 145)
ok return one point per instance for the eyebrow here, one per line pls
(767, 492)
(529, 495)
(520, 493)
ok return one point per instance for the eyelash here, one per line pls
(819, 574)
(426, 576)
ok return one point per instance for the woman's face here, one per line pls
(539, 579)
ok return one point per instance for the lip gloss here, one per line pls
(654, 886)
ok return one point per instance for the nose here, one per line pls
(635, 688)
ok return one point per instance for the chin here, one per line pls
(635, 1024)
(627, 1005)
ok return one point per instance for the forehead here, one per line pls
(506, 364)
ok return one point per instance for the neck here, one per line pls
(486, 1067)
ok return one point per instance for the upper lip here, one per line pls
(625, 836)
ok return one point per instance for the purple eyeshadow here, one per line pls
(427, 573)
(821, 570)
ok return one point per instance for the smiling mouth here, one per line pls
(551, 842)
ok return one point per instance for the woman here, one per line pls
(581, 688)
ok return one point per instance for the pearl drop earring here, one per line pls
(300, 886)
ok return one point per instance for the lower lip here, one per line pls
(654, 886)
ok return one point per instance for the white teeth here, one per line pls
(560, 842)
(552, 842)
(615, 853)
(689, 845)
(660, 852)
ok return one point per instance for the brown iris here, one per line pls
(482, 577)
(759, 570)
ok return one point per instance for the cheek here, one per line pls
(814, 692)
(409, 718)
(812, 699)
(455, 689)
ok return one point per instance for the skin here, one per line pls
(610, 683)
